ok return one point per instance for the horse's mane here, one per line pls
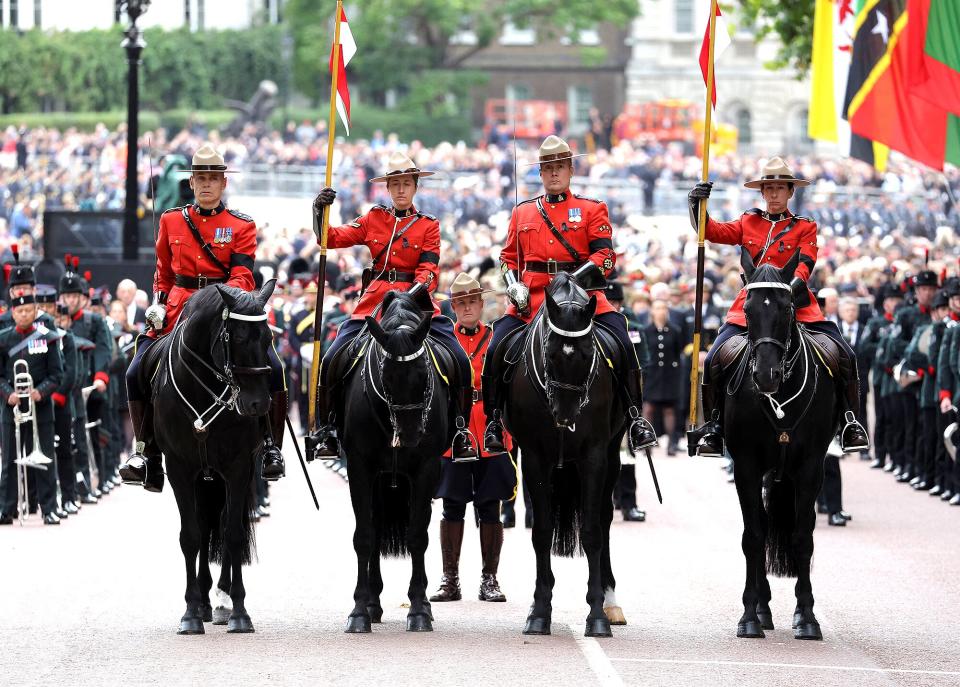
(400, 308)
(207, 302)
(767, 273)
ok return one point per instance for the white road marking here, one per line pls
(597, 658)
(804, 666)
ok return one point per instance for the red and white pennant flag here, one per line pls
(348, 49)
(722, 42)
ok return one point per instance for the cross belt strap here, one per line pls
(396, 238)
(773, 240)
(483, 340)
(553, 229)
(203, 244)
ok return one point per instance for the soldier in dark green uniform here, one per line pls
(875, 336)
(37, 345)
(944, 386)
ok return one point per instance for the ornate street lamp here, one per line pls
(134, 44)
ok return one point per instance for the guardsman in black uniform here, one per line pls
(487, 481)
(77, 438)
(33, 342)
(948, 385)
(875, 337)
(299, 332)
(625, 492)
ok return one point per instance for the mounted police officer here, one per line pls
(405, 245)
(772, 237)
(198, 245)
(559, 232)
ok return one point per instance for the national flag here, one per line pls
(935, 69)
(879, 102)
(833, 28)
(348, 49)
(721, 43)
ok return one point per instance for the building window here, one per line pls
(579, 102)
(464, 35)
(186, 13)
(743, 120)
(201, 14)
(38, 13)
(583, 37)
(514, 35)
(683, 16)
(802, 117)
(14, 15)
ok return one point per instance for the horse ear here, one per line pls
(420, 333)
(553, 310)
(228, 298)
(266, 291)
(592, 307)
(376, 331)
(746, 263)
(788, 270)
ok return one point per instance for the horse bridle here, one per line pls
(550, 386)
(394, 408)
(229, 397)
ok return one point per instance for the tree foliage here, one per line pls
(409, 47)
(87, 71)
(791, 22)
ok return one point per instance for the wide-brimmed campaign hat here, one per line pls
(552, 149)
(465, 286)
(776, 170)
(207, 159)
(399, 165)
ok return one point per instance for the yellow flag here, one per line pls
(824, 109)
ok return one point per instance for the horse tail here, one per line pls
(211, 507)
(781, 523)
(566, 511)
(391, 516)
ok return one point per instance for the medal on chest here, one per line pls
(223, 235)
(574, 215)
(37, 346)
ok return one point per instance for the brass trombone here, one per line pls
(23, 387)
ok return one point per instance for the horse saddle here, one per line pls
(826, 349)
(727, 355)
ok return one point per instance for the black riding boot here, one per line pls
(145, 464)
(273, 466)
(451, 539)
(640, 433)
(491, 542)
(493, 409)
(463, 450)
(325, 442)
(707, 439)
(853, 436)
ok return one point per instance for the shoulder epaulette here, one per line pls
(5, 330)
(592, 200)
(173, 209)
(240, 215)
(380, 206)
(754, 211)
(427, 215)
(805, 219)
(530, 200)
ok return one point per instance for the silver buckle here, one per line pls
(201, 281)
(392, 275)
(551, 266)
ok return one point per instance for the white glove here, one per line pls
(156, 315)
(519, 295)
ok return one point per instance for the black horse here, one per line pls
(398, 423)
(210, 383)
(780, 415)
(563, 409)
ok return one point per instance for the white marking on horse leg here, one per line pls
(223, 599)
(609, 597)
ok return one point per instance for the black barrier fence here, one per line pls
(97, 239)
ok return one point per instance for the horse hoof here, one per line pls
(419, 623)
(221, 614)
(766, 618)
(240, 623)
(750, 629)
(376, 614)
(615, 615)
(206, 612)
(537, 626)
(357, 625)
(190, 626)
(598, 627)
(809, 630)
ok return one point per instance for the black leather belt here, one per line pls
(394, 276)
(185, 282)
(551, 266)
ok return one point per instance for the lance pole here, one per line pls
(324, 223)
(702, 221)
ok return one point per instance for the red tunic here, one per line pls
(588, 231)
(417, 252)
(475, 343)
(752, 231)
(231, 234)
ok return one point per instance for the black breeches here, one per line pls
(487, 512)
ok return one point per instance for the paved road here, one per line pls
(98, 600)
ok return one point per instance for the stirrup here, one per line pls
(648, 434)
(861, 442)
(464, 434)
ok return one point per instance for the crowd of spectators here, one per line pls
(870, 223)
